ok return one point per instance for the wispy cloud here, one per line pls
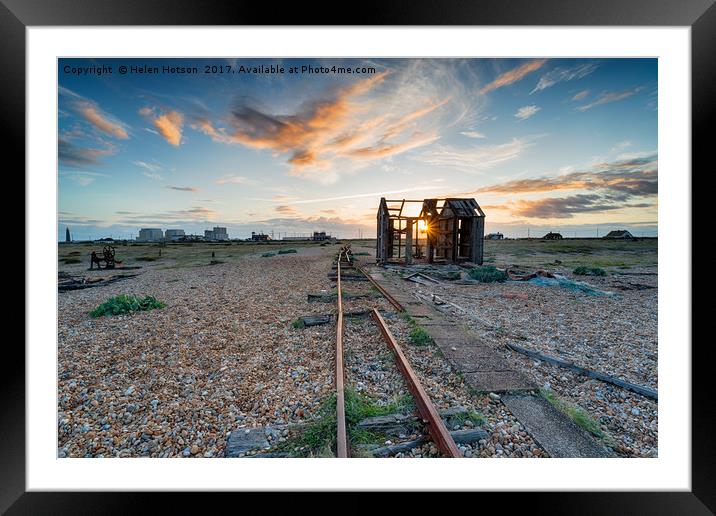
(82, 178)
(473, 134)
(95, 116)
(183, 188)
(236, 179)
(514, 75)
(390, 113)
(563, 74)
(637, 176)
(73, 155)
(475, 158)
(168, 123)
(568, 207)
(611, 185)
(193, 214)
(608, 97)
(151, 170)
(580, 95)
(287, 210)
(526, 112)
(561, 207)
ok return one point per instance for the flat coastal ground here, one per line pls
(224, 354)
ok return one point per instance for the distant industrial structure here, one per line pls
(218, 233)
(260, 237)
(552, 236)
(619, 234)
(317, 236)
(150, 235)
(68, 238)
(174, 234)
(494, 236)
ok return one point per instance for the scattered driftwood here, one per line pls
(318, 320)
(322, 298)
(419, 277)
(348, 277)
(516, 276)
(644, 391)
(459, 436)
(331, 298)
(402, 424)
(620, 273)
(633, 286)
(67, 282)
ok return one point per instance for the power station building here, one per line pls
(150, 235)
(218, 233)
(174, 234)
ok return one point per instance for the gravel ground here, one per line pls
(615, 334)
(447, 389)
(222, 354)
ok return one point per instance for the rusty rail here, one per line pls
(385, 293)
(436, 428)
(341, 436)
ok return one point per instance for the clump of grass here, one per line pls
(268, 255)
(361, 254)
(576, 414)
(487, 274)
(298, 323)
(287, 251)
(215, 262)
(418, 335)
(70, 260)
(318, 437)
(589, 271)
(475, 417)
(126, 303)
(75, 253)
(146, 258)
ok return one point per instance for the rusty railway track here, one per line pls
(341, 435)
(380, 289)
(429, 414)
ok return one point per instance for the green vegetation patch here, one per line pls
(299, 323)
(287, 251)
(318, 437)
(268, 255)
(487, 274)
(126, 303)
(70, 260)
(589, 271)
(575, 413)
(418, 335)
(147, 258)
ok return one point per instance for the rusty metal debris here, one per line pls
(436, 427)
(380, 289)
(341, 435)
(107, 257)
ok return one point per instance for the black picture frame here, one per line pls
(700, 15)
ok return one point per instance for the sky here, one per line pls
(565, 145)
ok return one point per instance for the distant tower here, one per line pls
(68, 239)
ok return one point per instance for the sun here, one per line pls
(422, 226)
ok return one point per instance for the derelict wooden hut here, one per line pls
(452, 230)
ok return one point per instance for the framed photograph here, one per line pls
(263, 255)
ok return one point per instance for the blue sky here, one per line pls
(545, 144)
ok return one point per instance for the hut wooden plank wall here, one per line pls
(453, 231)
